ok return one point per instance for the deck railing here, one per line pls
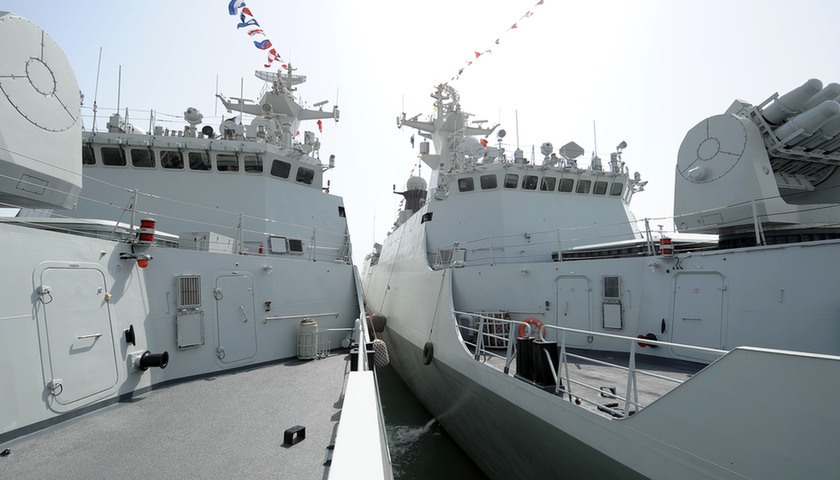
(503, 353)
(561, 244)
(634, 238)
(229, 230)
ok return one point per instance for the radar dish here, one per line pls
(712, 148)
(571, 150)
(271, 77)
(36, 77)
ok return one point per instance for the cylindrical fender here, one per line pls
(428, 353)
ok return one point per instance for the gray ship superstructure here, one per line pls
(553, 334)
(173, 259)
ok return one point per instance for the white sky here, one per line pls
(644, 71)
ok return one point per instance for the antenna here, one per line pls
(119, 86)
(96, 90)
(216, 104)
(517, 128)
(595, 139)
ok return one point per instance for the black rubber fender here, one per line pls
(428, 353)
(378, 321)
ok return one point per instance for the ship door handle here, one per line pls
(90, 335)
(245, 317)
(566, 310)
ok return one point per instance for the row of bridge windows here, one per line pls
(546, 183)
(200, 160)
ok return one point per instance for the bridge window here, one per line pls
(600, 188)
(281, 169)
(466, 184)
(615, 189)
(253, 164)
(226, 162)
(548, 183)
(142, 157)
(529, 182)
(488, 182)
(511, 180)
(113, 156)
(567, 184)
(199, 161)
(171, 159)
(583, 186)
(88, 157)
(305, 175)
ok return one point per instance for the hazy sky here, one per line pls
(644, 71)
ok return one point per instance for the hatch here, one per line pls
(572, 308)
(698, 311)
(77, 346)
(236, 320)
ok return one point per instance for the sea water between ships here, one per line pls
(420, 448)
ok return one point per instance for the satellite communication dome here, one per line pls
(415, 183)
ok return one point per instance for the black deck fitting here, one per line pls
(294, 435)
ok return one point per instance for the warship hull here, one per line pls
(709, 426)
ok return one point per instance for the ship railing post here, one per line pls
(564, 364)
(631, 380)
(648, 238)
(555, 374)
(239, 233)
(559, 246)
(479, 344)
(759, 232)
(510, 347)
(133, 210)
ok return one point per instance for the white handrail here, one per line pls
(561, 375)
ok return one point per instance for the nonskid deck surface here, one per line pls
(229, 425)
(605, 378)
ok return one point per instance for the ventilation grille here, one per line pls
(189, 292)
(612, 287)
(295, 246)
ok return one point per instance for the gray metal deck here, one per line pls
(605, 378)
(229, 425)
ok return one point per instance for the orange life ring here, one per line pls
(534, 322)
(649, 336)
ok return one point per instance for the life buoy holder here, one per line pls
(531, 321)
(649, 336)
(428, 353)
